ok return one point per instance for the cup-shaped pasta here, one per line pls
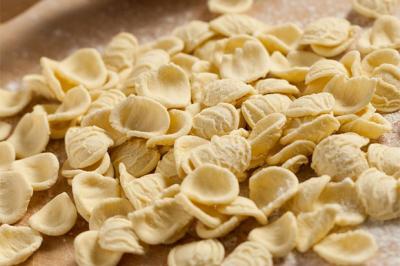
(378, 194)
(258, 106)
(55, 218)
(298, 147)
(180, 125)
(169, 85)
(250, 253)
(7, 154)
(384, 158)
(352, 62)
(120, 52)
(311, 105)
(193, 34)
(12, 102)
(15, 195)
(136, 156)
(99, 167)
(38, 85)
(235, 24)
(107, 99)
(271, 187)
(87, 251)
(141, 117)
(279, 237)
(379, 57)
(347, 248)
(157, 223)
(337, 150)
(86, 145)
(243, 206)
(247, 64)
(314, 226)
(221, 230)
(351, 95)
(372, 9)
(170, 44)
(108, 208)
(387, 94)
(31, 134)
(219, 120)
(5, 130)
(167, 165)
(228, 46)
(283, 38)
(89, 189)
(229, 7)
(309, 128)
(185, 62)
(272, 85)
(210, 184)
(225, 91)
(17, 243)
(203, 252)
(295, 163)
(40, 170)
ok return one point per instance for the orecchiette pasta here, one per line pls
(298, 147)
(295, 163)
(373, 8)
(5, 130)
(221, 230)
(120, 52)
(235, 24)
(272, 85)
(193, 34)
(101, 167)
(249, 253)
(328, 31)
(385, 158)
(243, 206)
(387, 94)
(13, 102)
(311, 105)
(227, 6)
(378, 58)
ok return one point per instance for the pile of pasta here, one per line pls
(206, 128)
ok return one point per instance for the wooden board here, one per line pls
(55, 28)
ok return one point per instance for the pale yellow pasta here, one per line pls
(107, 208)
(185, 62)
(387, 94)
(141, 117)
(374, 8)
(272, 85)
(158, 223)
(249, 253)
(225, 91)
(257, 107)
(5, 130)
(88, 252)
(227, 46)
(378, 58)
(210, 184)
(89, 189)
(337, 150)
(243, 206)
(352, 62)
(220, 231)
(38, 85)
(193, 34)
(311, 105)
(171, 44)
(31, 134)
(219, 120)
(106, 99)
(234, 24)
(17, 244)
(279, 237)
(198, 81)
(309, 128)
(283, 38)
(7, 155)
(295, 163)
(15, 195)
(116, 234)
(298, 147)
(271, 187)
(314, 226)
(351, 95)
(86, 145)
(180, 125)
(229, 6)
(99, 167)
(378, 194)
(384, 158)
(347, 248)
(201, 253)
(55, 218)
(167, 165)
(120, 52)
(13, 102)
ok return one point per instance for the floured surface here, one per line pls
(67, 25)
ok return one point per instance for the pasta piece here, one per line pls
(31, 135)
(55, 218)
(378, 194)
(311, 105)
(271, 187)
(247, 64)
(227, 46)
(337, 150)
(88, 251)
(229, 6)
(314, 226)
(116, 234)
(17, 244)
(379, 57)
(210, 184)
(86, 145)
(219, 120)
(294, 163)
(309, 128)
(140, 117)
(100, 167)
(15, 194)
(298, 147)
(272, 85)
(193, 34)
(243, 206)
(384, 158)
(374, 9)
(136, 156)
(352, 62)
(258, 106)
(387, 94)
(348, 248)
(156, 224)
(171, 44)
(344, 194)
(13, 102)
(7, 155)
(167, 166)
(38, 85)
(120, 52)
(201, 253)
(89, 189)
(186, 62)
(249, 253)
(5, 130)
(352, 94)
(235, 24)
(219, 231)
(278, 237)
(107, 208)
(180, 125)
(107, 99)
(168, 85)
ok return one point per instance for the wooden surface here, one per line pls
(55, 28)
